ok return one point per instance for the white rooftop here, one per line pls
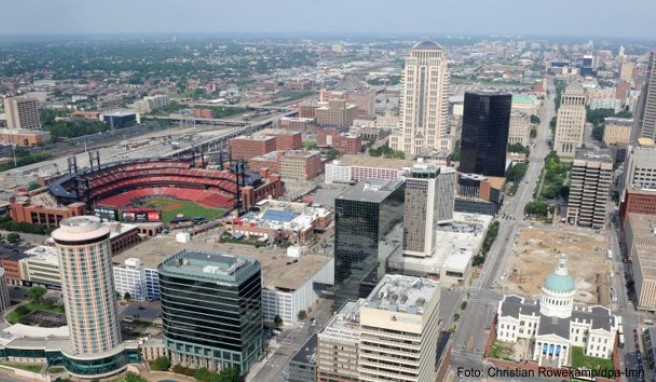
(399, 293)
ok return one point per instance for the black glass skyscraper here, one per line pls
(212, 309)
(364, 214)
(485, 125)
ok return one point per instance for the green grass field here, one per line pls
(171, 207)
(579, 359)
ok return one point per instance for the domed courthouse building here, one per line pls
(553, 324)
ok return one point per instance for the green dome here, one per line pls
(559, 283)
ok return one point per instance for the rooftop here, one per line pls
(307, 354)
(205, 264)
(80, 228)
(427, 45)
(595, 155)
(278, 270)
(253, 137)
(346, 322)
(372, 190)
(642, 224)
(377, 162)
(44, 254)
(399, 293)
(619, 121)
(276, 214)
(300, 153)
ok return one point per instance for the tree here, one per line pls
(518, 148)
(517, 172)
(553, 123)
(278, 321)
(301, 315)
(36, 293)
(13, 237)
(126, 296)
(537, 208)
(463, 305)
(160, 364)
(33, 186)
(535, 119)
(133, 377)
(534, 132)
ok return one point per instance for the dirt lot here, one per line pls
(536, 255)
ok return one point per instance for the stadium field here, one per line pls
(172, 207)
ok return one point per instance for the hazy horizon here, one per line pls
(507, 18)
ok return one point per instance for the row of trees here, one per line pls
(386, 152)
(227, 374)
(490, 237)
(537, 208)
(7, 224)
(517, 172)
(554, 176)
(518, 148)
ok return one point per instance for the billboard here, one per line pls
(141, 215)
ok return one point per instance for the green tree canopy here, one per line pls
(36, 293)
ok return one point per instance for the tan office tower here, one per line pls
(22, 113)
(570, 125)
(398, 331)
(645, 112)
(87, 282)
(420, 211)
(424, 111)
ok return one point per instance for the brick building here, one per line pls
(301, 165)
(203, 113)
(346, 143)
(638, 201)
(39, 207)
(247, 147)
(296, 124)
(286, 140)
(270, 161)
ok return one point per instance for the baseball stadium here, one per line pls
(148, 190)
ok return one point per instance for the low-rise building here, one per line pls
(23, 137)
(617, 131)
(354, 168)
(272, 220)
(40, 266)
(345, 143)
(301, 165)
(39, 207)
(302, 125)
(247, 147)
(303, 365)
(520, 128)
(285, 140)
(269, 161)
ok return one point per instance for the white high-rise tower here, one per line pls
(645, 114)
(423, 113)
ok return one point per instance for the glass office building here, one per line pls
(364, 214)
(485, 127)
(212, 309)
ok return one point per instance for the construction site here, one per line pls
(535, 256)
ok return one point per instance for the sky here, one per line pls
(604, 18)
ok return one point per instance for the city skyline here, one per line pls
(77, 17)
